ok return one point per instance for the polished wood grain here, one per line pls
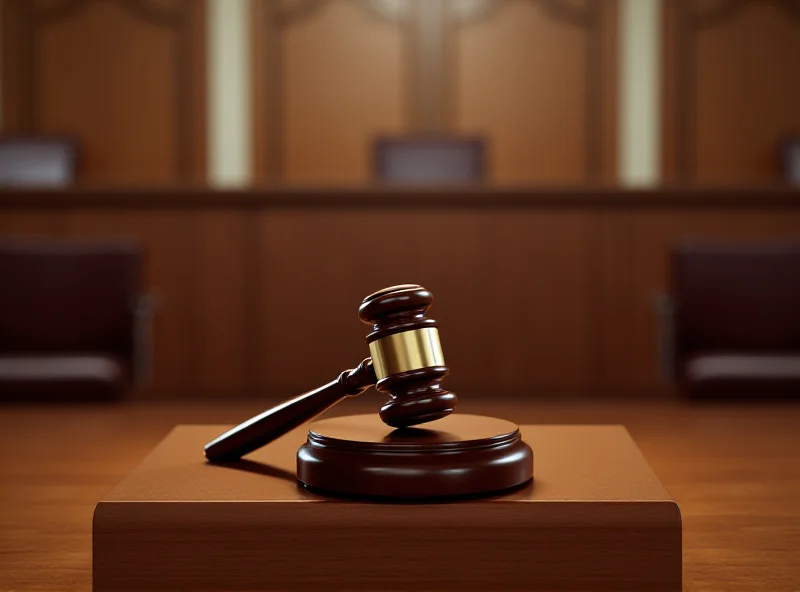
(258, 431)
(726, 107)
(732, 469)
(595, 519)
(327, 78)
(126, 79)
(537, 81)
(415, 390)
(339, 95)
(558, 286)
(170, 241)
(224, 278)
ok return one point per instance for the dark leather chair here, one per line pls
(429, 159)
(73, 320)
(38, 161)
(732, 325)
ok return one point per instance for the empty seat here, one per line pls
(72, 319)
(735, 319)
(429, 159)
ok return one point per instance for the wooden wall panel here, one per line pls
(125, 78)
(503, 281)
(222, 299)
(169, 239)
(344, 83)
(328, 77)
(314, 312)
(536, 78)
(532, 298)
(538, 81)
(732, 89)
(538, 284)
(641, 242)
(31, 223)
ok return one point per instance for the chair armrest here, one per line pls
(664, 307)
(143, 311)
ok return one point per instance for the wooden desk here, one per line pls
(733, 469)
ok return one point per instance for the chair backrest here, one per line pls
(789, 148)
(426, 159)
(37, 161)
(737, 297)
(68, 297)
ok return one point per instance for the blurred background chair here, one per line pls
(435, 159)
(74, 323)
(790, 158)
(731, 327)
(38, 161)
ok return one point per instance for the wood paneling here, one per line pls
(502, 280)
(343, 84)
(223, 277)
(535, 292)
(636, 248)
(329, 76)
(538, 80)
(125, 78)
(732, 469)
(197, 269)
(732, 89)
(31, 223)
(169, 239)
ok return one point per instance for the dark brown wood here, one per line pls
(239, 312)
(732, 469)
(277, 421)
(712, 84)
(596, 518)
(481, 197)
(416, 395)
(127, 78)
(459, 455)
(503, 53)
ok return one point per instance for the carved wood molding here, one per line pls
(699, 20)
(690, 23)
(470, 11)
(585, 15)
(394, 11)
(33, 16)
(143, 9)
(277, 18)
(456, 11)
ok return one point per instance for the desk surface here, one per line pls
(734, 470)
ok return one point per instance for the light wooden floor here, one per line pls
(734, 470)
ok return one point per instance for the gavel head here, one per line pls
(406, 355)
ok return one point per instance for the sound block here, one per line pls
(459, 455)
(594, 518)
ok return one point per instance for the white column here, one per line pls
(229, 93)
(640, 93)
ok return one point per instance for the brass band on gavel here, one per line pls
(410, 350)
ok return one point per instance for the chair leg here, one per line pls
(664, 307)
(143, 312)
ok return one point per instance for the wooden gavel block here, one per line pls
(365, 456)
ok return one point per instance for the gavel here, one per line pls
(405, 362)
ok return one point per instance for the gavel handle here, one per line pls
(274, 423)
